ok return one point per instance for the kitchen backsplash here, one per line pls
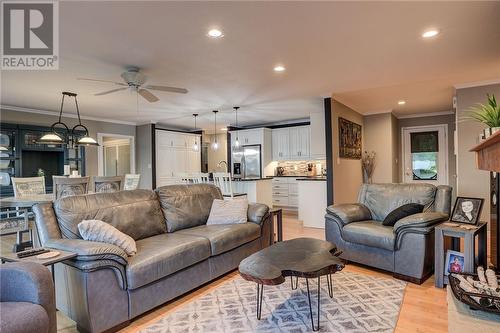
(299, 168)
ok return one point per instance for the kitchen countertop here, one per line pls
(299, 177)
(312, 178)
(250, 179)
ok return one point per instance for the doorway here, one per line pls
(116, 154)
(425, 154)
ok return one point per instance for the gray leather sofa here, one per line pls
(103, 289)
(27, 302)
(407, 249)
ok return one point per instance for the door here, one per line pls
(425, 154)
(116, 154)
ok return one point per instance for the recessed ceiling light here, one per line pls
(401, 102)
(430, 33)
(215, 33)
(279, 68)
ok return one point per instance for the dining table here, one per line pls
(27, 201)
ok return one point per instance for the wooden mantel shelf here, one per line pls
(488, 153)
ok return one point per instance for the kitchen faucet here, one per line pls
(222, 162)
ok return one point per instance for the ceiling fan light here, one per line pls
(87, 141)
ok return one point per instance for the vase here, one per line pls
(366, 178)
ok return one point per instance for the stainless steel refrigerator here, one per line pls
(247, 162)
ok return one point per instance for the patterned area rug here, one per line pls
(360, 303)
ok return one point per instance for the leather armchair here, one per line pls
(27, 300)
(407, 249)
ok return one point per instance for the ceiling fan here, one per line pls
(135, 81)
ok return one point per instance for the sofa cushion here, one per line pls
(225, 237)
(136, 213)
(381, 199)
(21, 317)
(186, 206)
(369, 233)
(164, 254)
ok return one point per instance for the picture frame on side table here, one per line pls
(454, 263)
(467, 210)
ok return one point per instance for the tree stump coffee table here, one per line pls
(301, 257)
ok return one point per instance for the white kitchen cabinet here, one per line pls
(175, 155)
(285, 192)
(317, 135)
(281, 138)
(251, 136)
(299, 142)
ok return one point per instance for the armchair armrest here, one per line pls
(348, 213)
(420, 220)
(88, 251)
(257, 212)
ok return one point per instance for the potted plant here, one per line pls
(488, 114)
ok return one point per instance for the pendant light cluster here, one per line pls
(63, 135)
(196, 147)
(215, 145)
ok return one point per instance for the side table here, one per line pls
(278, 212)
(469, 235)
(63, 255)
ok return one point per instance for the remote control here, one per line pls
(32, 252)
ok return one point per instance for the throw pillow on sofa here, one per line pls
(99, 231)
(401, 212)
(228, 212)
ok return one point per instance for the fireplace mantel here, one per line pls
(488, 153)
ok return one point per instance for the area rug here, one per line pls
(361, 303)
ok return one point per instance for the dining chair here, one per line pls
(201, 178)
(28, 186)
(64, 186)
(223, 181)
(105, 184)
(131, 181)
(184, 177)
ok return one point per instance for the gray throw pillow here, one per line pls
(99, 231)
(228, 211)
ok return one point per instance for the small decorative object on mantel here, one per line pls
(488, 114)
(349, 139)
(368, 165)
(480, 291)
(467, 210)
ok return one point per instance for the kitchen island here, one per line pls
(312, 201)
(258, 190)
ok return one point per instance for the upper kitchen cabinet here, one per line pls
(280, 144)
(250, 136)
(318, 141)
(299, 142)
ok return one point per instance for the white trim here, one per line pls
(370, 113)
(476, 84)
(65, 115)
(100, 151)
(430, 114)
(423, 128)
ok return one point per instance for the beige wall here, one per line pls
(347, 176)
(448, 119)
(380, 136)
(471, 181)
(28, 118)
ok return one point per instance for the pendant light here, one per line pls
(195, 146)
(68, 137)
(237, 141)
(215, 145)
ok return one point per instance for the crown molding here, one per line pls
(419, 115)
(476, 84)
(371, 113)
(65, 115)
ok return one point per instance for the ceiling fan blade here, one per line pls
(110, 91)
(168, 89)
(148, 95)
(95, 80)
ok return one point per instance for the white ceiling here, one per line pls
(369, 55)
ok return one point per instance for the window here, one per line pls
(424, 155)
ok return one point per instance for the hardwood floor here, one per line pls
(424, 307)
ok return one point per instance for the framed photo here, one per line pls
(454, 262)
(467, 210)
(349, 139)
